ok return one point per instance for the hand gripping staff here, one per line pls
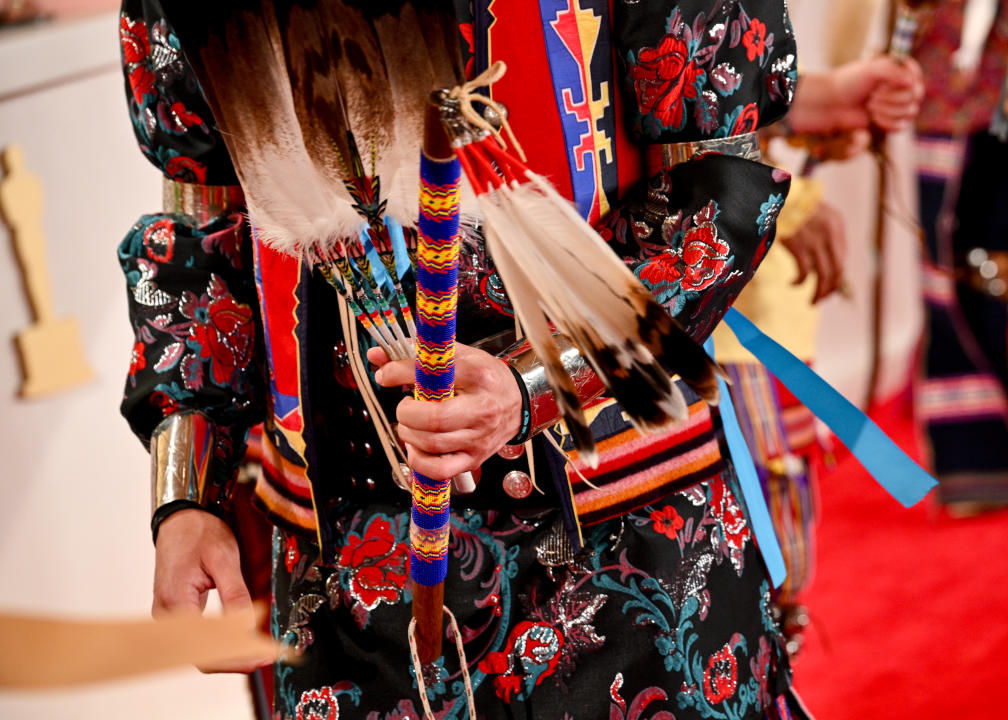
(904, 21)
(562, 277)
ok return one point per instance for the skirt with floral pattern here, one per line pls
(664, 615)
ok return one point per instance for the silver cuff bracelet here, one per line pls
(181, 450)
(542, 404)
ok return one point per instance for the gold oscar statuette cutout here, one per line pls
(40, 652)
(52, 356)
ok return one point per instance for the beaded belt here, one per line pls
(202, 203)
(661, 157)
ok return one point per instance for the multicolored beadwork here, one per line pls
(437, 300)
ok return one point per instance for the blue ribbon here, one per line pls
(752, 491)
(881, 457)
(378, 271)
(402, 261)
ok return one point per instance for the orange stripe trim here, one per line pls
(640, 483)
(614, 450)
(282, 507)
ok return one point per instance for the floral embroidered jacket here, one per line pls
(230, 327)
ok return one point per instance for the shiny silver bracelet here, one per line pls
(181, 450)
(542, 408)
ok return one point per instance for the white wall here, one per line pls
(74, 535)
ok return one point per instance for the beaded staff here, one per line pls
(436, 303)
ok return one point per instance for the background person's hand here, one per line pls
(819, 247)
(879, 91)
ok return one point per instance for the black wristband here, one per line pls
(526, 412)
(169, 509)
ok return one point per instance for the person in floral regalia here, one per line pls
(961, 398)
(635, 591)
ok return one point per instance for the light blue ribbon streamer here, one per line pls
(752, 491)
(378, 271)
(402, 261)
(881, 457)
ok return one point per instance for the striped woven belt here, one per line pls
(636, 469)
(202, 203)
(661, 157)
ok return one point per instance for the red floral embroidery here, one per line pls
(531, 655)
(137, 361)
(133, 39)
(135, 46)
(705, 255)
(161, 400)
(721, 676)
(728, 512)
(221, 331)
(377, 564)
(185, 169)
(159, 240)
(318, 705)
(754, 39)
(747, 121)
(664, 268)
(186, 118)
(759, 665)
(667, 521)
(618, 709)
(291, 553)
(664, 78)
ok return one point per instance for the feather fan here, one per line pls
(316, 101)
(556, 268)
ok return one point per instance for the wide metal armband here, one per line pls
(202, 203)
(664, 156)
(181, 450)
(542, 403)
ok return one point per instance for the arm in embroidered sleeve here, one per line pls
(193, 308)
(190, 289)
(695, 231)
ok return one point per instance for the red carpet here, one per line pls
(909, 606)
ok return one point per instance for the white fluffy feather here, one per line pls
(555, 265)
(522, 290)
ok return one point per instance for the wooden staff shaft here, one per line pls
(428, 609)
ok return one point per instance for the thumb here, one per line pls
(225, 570)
